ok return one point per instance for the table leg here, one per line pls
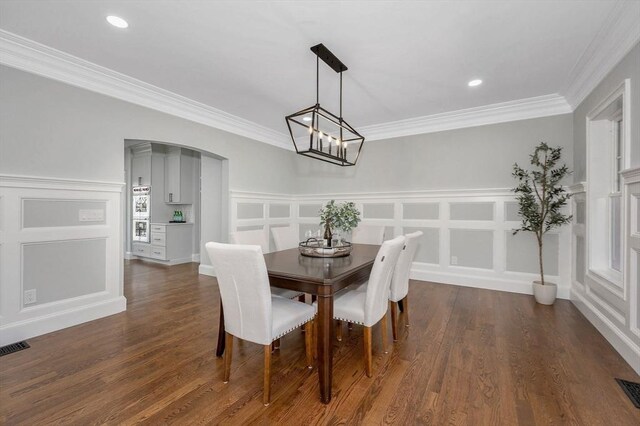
(325, 346)
(220, 348)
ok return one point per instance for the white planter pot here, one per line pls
(545, 294)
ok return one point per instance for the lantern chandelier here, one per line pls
(320, 134)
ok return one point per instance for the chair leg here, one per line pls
(266, 392)
(394, 320)
(383, 331)
(315, 338)
(227, 356)
(302, 299)
(308, 342)
(367, 351)
(275, 345)
(339, 330)
(406, 310)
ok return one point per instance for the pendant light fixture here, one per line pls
(320, 134)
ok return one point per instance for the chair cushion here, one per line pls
(349, 306)
(283, 292)
(289, 315)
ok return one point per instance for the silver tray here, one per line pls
(315, 248)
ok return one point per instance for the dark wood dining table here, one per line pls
(322, 277)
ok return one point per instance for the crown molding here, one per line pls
(539, 106)
(40, 182)
(617, 36)
(28, 55)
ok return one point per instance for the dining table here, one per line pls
(321, 277)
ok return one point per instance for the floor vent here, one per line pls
(14, 347)
(632, 390)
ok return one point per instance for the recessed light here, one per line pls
(474, 83)
(307, 119)
(117, 21)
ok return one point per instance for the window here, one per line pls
(606, 149)
(615, 197)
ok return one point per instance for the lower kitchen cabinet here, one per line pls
(171, 243)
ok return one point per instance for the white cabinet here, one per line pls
(170, 243)
(141, 165)
(141, 249)
(178, 176)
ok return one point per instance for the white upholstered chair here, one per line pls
(400, 280)
(368, 234)
(369, 307)
(259, 238)
(253, 237)
(285, 237)
(250, 311)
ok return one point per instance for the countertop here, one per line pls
(172, 224)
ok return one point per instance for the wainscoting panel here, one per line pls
(421, 211)
(522, 253)
(377, 211)
(471, 211)
(470, 225)
(250, 211)
(279, 210)
(42, 213)
(429, 248)
(61, 238)
(60, 270)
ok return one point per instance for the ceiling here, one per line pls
(251, 59)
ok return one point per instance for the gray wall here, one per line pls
(55, 130)
(629, 67)
(477, 157)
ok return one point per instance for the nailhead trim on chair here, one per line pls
(293, 328)
(348, 320)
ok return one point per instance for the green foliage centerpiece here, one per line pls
(343, 217)
(541, 197)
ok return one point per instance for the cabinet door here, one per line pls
(141, 170)
(172, 177)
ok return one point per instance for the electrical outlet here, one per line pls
(454, 260)
(91, 215)
(30, 297)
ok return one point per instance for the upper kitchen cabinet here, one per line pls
(141, 164)
(178, 176)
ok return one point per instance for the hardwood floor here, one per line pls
(470, 357)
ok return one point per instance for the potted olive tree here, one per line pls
(541, 197)
(338, 217)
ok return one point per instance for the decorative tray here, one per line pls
(314, 248)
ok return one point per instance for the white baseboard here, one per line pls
(206, 270)
(476, 281)
(27, 329)
(128, 255)
(164, 262)
(621, 342)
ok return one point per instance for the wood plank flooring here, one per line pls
(470, 357)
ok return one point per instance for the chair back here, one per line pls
(285, 237)
(255, 237)
(400, 278)
(377, 298)
(244, 289)
(368, 234)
